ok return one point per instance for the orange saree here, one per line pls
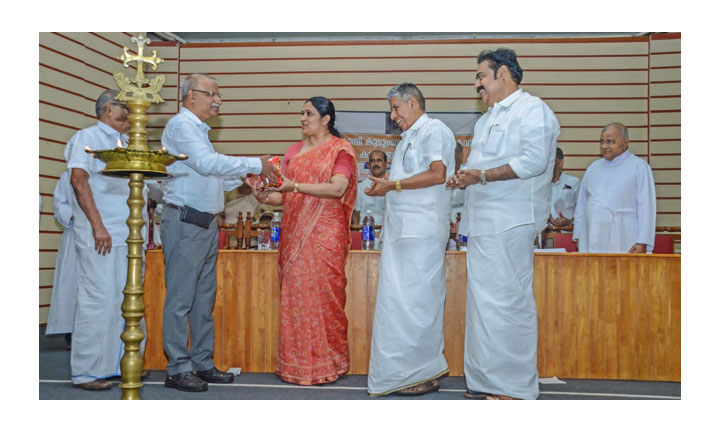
(314, 246)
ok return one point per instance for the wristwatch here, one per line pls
(296, 188)
(398, 186)
(483, 179)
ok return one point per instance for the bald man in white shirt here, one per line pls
(616, 203)
(507, 203)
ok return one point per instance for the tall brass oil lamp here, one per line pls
(136, 162)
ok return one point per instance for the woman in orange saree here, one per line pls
(318, 195)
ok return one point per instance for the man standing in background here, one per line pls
(616, 206)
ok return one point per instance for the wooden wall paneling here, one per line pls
(554, 334)
(627, 320)
(568, 318)
(540, 288)
(673, 323)
(454, 309)
(597, 337)
(224, 312)
(154, 299)
(359, 312)
(581, 289)
(660, 296)
(243, 301)
(616, 282)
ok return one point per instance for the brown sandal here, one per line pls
(486, 396)
(98, 384)
(420, 389)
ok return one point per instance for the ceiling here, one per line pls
(215, 37)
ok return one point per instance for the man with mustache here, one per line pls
(507, 203)
(377, 160)
(616, 204)
(99, 214)
(194, 197)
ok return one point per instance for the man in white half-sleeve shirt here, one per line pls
(377, 161)
(616, 206)
(563, 194)
(507, 202)
(194, 196)
(100, 214)
(406, 355)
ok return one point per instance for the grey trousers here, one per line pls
(190, 254)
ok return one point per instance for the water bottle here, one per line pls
(275, 231)
(368, 231)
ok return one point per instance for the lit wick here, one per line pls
(119, 144)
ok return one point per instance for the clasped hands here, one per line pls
(463, 178)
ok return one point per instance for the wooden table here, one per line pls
(600, 316)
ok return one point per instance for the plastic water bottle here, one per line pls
(275, 231)
(368, 231)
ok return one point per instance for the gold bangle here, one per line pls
(296, 188)
(398, 186)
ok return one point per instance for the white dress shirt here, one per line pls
(521, 131)
(566, 188)
(200, 180)
(109, 193)
(420, 213)
(375, 204)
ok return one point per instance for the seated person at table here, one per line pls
(563, 187)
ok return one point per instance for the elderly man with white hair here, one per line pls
(99, 213)
(406, 355)
(194, 196)
(616, 205)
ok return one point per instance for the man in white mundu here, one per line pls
(507, 202)
(616, 205)
(406, 355)
(100, 214)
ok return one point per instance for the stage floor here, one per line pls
(54, 384)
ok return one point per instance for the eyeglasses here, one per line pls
(209, 93)
(121, 105)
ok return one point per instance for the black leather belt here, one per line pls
(176, 207)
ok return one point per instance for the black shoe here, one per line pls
(215, 376)
(186, 381)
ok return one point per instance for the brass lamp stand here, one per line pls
(136, 162)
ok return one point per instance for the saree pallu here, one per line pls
(314, 246)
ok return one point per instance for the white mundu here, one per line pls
(616, 206)
(407, 340)
(96, 344)
(566, 189)
(501, 220)
(61, 318)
